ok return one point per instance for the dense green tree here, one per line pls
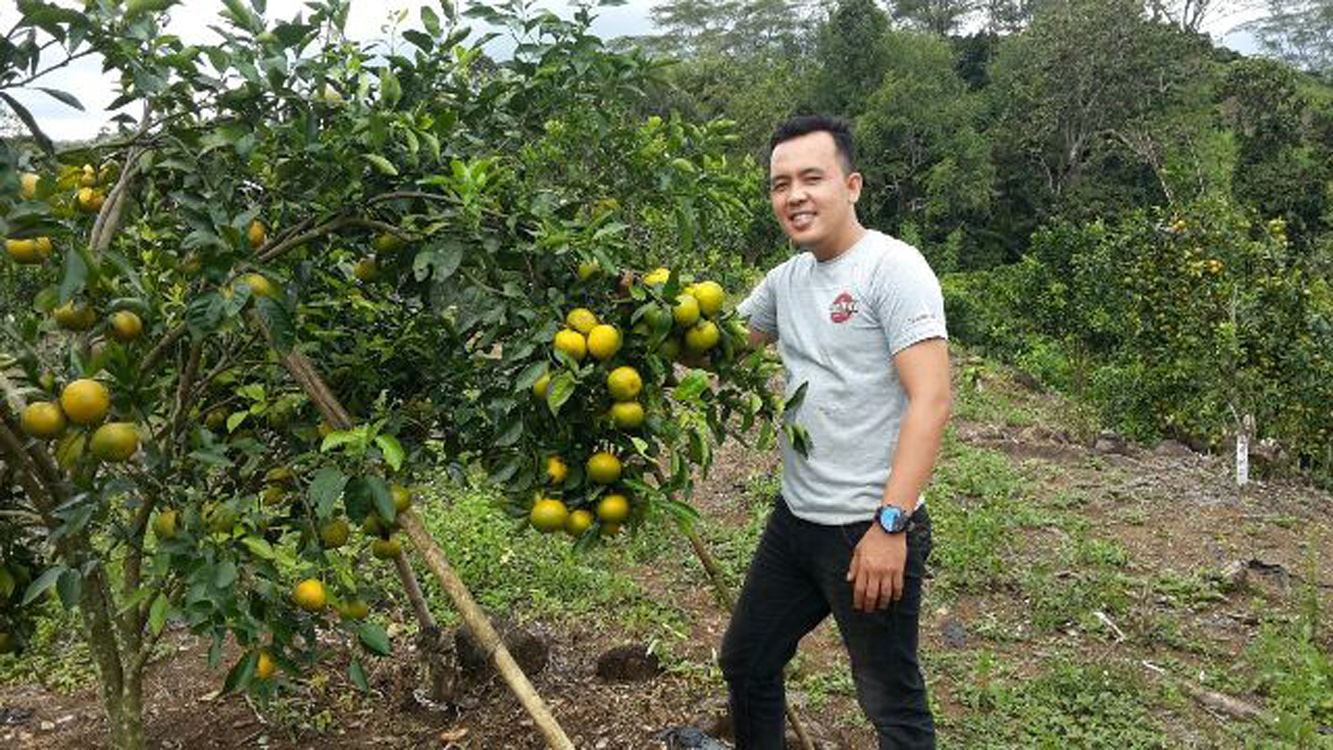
(1075, 96)
(1282, 168)
(941, 17)
(927, 167)
(851, 58)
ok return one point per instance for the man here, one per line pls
(858, 318)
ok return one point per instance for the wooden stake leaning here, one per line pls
(304, 373)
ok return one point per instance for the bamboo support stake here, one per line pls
(480, 626)
(481, 630)
(728, 601)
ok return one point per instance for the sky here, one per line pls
(191, 20)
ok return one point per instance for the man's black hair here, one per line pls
(806, 124)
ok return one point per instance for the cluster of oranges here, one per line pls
(84, 403)
(684, 329)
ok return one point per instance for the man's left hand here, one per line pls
(877, 569)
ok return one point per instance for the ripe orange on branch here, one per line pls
(556, 470)
(43, 420)
(613, 508)
(115, 441)
(85, 402)
(603, 467)
(310, 595)
(603, 342)
(581, 319)
(126, 326)
(571, 343)
(548, 514)
(624, 383)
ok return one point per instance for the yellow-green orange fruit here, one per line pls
(603, 467)
(386, 549)
(613, 508)
(402, 497)
(702, 336)
(686, 311)
(624, 383)
(571, 343)
(126, 326)
(603, 342)
(578, 522)
(556, 470)
(334, 534)
(627, 415)
(257, 233)
(43, 420)
(165, 524)
(28, 185)
(310, 595)
(115, 441)
(710, 295)
(548, 515)
(85, 402)
(581, 319)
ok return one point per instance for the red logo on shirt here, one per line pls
(842, 309)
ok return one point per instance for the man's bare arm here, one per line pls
(880, 559)
(923, 369)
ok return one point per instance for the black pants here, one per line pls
(798, 576)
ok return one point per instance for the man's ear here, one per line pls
(854, 183)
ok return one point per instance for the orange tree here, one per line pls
(411, 219)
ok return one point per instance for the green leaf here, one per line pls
(70, 587)
(23, 114)
(691, 387)
(357, 674)
(438, 262)
(76, 274)
(139, 7)
(43, 582)
(511, 433)
(326, 489)
(382, 498)
(394, 455)
(235, 420)
(240, 675)
(278, 322)
(339, 438)
(797, 398)
(530, 375)
(224, 575)
(430, 20)
(559, 391)
(62, 96)
(374, 638)
(390, 89)
(259, 547)
(157, 614)
(380, 163)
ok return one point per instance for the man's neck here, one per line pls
(835, 247)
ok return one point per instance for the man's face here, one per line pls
(813, 198)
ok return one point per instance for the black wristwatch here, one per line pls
(892, 519)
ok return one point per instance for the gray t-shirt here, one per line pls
(838, 325)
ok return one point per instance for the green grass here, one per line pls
(531, 575)
(1291, 665)
(1068, 704)
(56, 656)
(976, 502)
